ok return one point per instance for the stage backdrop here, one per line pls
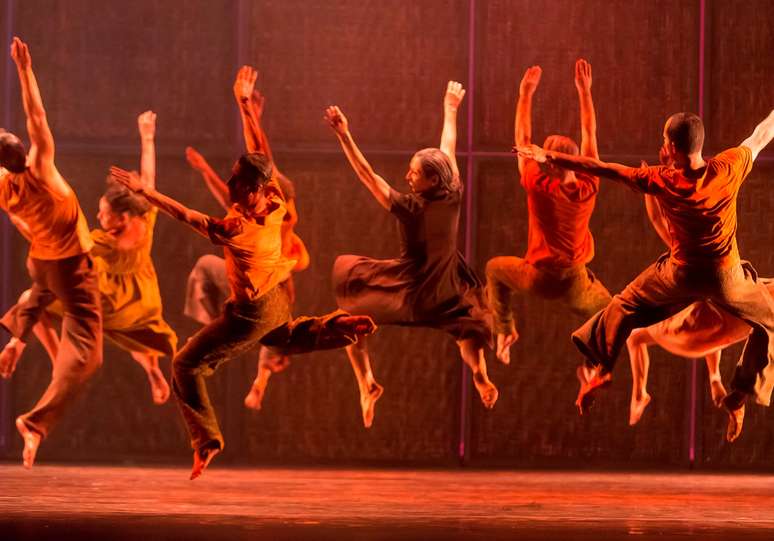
(386, 64)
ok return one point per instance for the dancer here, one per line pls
(430, 284)
(560, 203)
(207, 283)
(129, 289)
(698, 199)
(34, 193)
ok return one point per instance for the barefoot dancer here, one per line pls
(257, 310)
(560, 204)
(698, 199)
(34, 193)
(128, 286)
(207, 283)
(429, 284)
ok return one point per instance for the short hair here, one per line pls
(686, 132)
(435, 163)
(121, 199)
(561, 143)
(13, 156)
(250, 172)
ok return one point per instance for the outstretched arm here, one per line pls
(523, 123)
(761, 136)
(375, 184)
(588, 116)
(584, 164)
(146, 123)
(198, 221)
(244, 86)
(217, 187)
(257, 102)
(451, 103)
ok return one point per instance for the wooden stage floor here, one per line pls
(108, 503)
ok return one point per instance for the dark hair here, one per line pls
(436, 164)
(686, 132)
(561, 143)
(12, 154)
(121, 199)
(250, 172)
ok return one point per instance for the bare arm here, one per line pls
(522, 132)
(657, 218)
(244, 86)
(257, 102)
(215, 184)
(588, 116)
(146, 124)
(761, 136)
(198, 221)
(584, 164)
(451, 103)
(375, 184)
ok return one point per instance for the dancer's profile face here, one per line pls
(110, 220)
(667, 153)
(416, 178)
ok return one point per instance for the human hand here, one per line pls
(195, 159)
(530, 80)
(244, 84)
(583, 75)
(336, 120)
(146, 122)
(531, 152)
(130, 179)
(20, 53)
(453, 96)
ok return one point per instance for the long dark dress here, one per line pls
(430, 284)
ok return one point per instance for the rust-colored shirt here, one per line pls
(252, 247)
(56, 225)
(701, 211)
(559, 215)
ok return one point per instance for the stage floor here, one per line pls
(91, 502)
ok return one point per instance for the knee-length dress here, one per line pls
(429, 284)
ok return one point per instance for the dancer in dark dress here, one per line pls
(430, 284)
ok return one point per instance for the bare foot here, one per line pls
(718, 392)
(31, 443)
(590, 382)
(637, 408)
(368, 401)
(10, 356)
(254, 398)
(734, 406)
(159, 386)
(486, 390)
(355, 324)
(202, 459)
(504, 343)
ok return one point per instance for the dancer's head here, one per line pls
(249, 175)
(13, 156)
(683, 136)
(559, 143)
(118, 205)
(431, 169)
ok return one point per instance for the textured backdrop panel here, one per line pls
(644, 56)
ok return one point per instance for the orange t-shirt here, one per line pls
(56, 225)
(252, 248)
(700, 212)
(559, 217)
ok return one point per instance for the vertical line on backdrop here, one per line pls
(694, 365)
(464, 436)
(6, 273)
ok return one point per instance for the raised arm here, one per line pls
(585, 164)
(146, 123)
(215, 184)
(451, 103)
(244, 86)
(588, 117)
(375, 184)
(198, 221)
(257, 102)
(522, 132)
(761, 136)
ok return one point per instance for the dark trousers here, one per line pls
(663, 289)
(74, 283)
(238, 329)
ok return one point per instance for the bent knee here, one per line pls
(638, 338)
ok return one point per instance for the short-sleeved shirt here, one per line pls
(701, 211)
(559, 215)
(252, 247)
(56, 225)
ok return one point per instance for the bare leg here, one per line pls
(269, 362)
(473, 355)
(717, 390)
(158, 383)
(637, 344)
(370, 391)
(504, 343)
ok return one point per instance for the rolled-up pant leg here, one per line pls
(74, 282)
